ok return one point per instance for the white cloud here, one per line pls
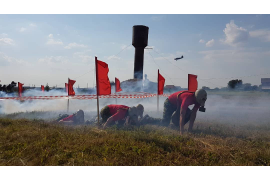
(251, 26)
(6, 60)
(84, 57)
(157, 18)
(113, 57)
(53, 60)
(22, 29)
(210, 43)
(6, 41)
(32, 25)
(247, 56)
(50, 36)
(87, 59)
(262, 34)
(52, 41)
(235, 35)
(126, 47)
(201, 41)
(75, 45)
(4, 35)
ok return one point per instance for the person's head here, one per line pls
(140, 110)
(80, 115)
(201, 96)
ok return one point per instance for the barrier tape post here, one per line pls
(68, 98)
(68, 105)
(157, 92)
(97, 89)
(157, 103)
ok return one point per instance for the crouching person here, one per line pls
(76, 118)
(121, 114)
(176, 108)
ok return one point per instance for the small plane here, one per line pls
(179, 58)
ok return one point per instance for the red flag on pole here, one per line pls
(71, 91)
(102, 79)
(66, 86)
(117, 85)
(20, 89)
(192, 83)
(42, 88)
(161, 82)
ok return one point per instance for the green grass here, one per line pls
(24, 142)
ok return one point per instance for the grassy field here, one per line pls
(235, 130)
(36, 142)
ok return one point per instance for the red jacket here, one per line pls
(118, 112)
(185, 99)
(69, 118)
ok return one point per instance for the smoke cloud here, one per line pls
(228, 108)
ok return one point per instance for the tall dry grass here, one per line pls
(25, 142)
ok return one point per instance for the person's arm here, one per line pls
(108, 122)
(182, 120)
(117, 116)
(184, 106)
(192, 120)
(66, 122)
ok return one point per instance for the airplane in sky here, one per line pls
(179, 58)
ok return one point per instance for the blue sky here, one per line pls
(40, 49)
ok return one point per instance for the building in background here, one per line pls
(265, 83)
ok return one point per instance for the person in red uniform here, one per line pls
(120, 113)
(176, 108)
(76, 118)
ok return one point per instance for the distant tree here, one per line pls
(112, 83)
(224, 89)
(216, 89)
(247, 87)
(47, 87)
(205, 88)
(255, 88)
(235, 83)
(4, 88)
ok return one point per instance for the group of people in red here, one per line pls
(176, 110)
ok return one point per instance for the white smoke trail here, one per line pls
(225, 109)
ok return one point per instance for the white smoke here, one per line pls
(222, 108)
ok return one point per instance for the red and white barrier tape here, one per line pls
(83, 97)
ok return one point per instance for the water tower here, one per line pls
(139, 41)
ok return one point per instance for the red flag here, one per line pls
(71, 92)
(20, 89)
(42, 88)
(66, 86)
(117, 85)
(102, 79)
(161, 82)
(192, 83)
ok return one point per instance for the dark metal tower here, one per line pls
(139, 41)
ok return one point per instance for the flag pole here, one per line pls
(68, 98)
(157, 93)
(97, 89)
(115, 91)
